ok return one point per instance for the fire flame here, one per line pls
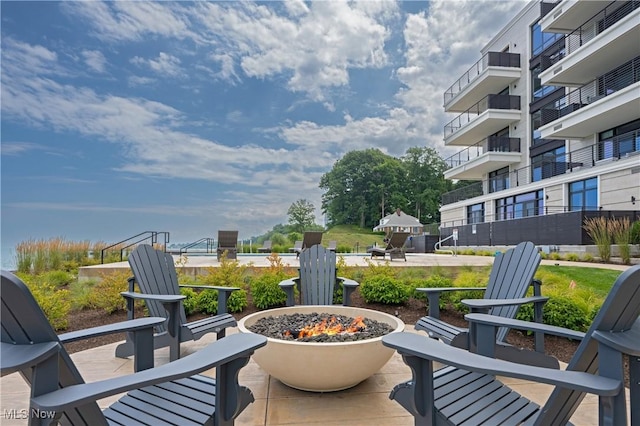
(330, 326)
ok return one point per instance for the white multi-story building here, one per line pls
(548, 124)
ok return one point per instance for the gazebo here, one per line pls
(399, 221)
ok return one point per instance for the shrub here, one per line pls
(635, 232)
(343, 248)
(621, 231)
(433, 281)
(207, 302)
(598, 230)
(265, 291)
(106, 293)
(228, 274)
(191, 302)
(58, 278)
(81, 293)
(573, 257)
(55, 303)
(384, 289)
(565, 312)
(587, 257)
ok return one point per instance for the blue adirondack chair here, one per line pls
(511, 276)
(171, 394)
(317, 280)
(155, 274)
(466, 391)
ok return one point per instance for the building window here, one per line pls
(475, 213)
(619, 141)
(523, 205)
(540, 41)
(548, 164)
(499, 180)
(538, 91)
(583, 195)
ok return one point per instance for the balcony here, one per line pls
(625, 147)
(569, 14)
(491, 74)
(490, 115)
(606, 102)
(485, 156)
(608, 39)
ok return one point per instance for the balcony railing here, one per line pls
(489, 102)
(466, 192)
(490, 59)
(494, 144)
(591, 29)
(618, 147)
(605, 85)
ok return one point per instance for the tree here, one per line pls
(362, 186)
(425, 182)
(301, 215)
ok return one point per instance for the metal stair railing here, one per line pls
(209, 244)
(438, 246)
(136, 239)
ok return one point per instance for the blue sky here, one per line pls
(190, 117)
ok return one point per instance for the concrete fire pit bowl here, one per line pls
(322, 367)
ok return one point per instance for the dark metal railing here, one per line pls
(594, 27)
(603, 86)
(509, 102)
(617, 147)
(490, 144)
(466, 192)
(489, 59)
(150, 236)
(207, 241)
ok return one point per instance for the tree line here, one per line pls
(364, 186)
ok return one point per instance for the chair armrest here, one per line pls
(346, 282)
(414, 345)
(164, 298)
(18, 357)
(218, 353)
(433, 297)
(496, 321)
(288, 287)
(119, 327)
(483, 327)
(489, 303)
(210, 287)
(626, 342)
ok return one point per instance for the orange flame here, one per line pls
(330, 326)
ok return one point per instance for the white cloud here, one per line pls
(165, 64)
(95, 60)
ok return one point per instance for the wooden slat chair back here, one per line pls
(510, 278)
(24, 323)
(317, 275)
(155, 274)
(511, 275)
(172, 394)
(466, 390)
(317, 279)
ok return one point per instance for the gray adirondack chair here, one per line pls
(466, 391)
(266, 247)
(227, 243)
(155, 274)
(173, 393)
(511, 275)
(309, 239)
(395, 247)
(317, 280)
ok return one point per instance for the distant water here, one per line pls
(8, 257)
